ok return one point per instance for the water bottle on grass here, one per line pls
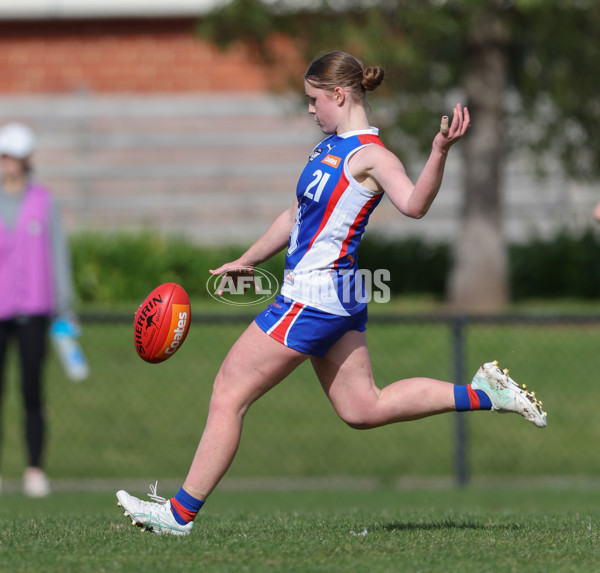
(64, 333)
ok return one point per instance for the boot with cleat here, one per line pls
(506, 395)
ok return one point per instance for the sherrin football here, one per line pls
(162, 323)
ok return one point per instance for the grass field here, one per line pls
(470, 530)
(135, 420)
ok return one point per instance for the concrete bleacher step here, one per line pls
(220, 168)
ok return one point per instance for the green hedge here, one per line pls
(416, 266)
(125, 267)
(567, 265)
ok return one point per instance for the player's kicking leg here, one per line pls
(347, 378)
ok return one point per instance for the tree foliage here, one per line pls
(552, 106)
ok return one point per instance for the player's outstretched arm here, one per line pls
(273, 240)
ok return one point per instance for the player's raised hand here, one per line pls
(450, 133)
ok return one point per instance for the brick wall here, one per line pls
(142, 124)
(133, 56)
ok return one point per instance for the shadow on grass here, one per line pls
(447, 524)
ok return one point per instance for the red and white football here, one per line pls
(162, 323)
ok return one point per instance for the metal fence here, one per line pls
(134, 420)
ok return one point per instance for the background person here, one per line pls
(35, 285)
(320, 315)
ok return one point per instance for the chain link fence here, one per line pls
(135, 420)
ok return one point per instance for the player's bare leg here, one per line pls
(254, 365)
(346, 376)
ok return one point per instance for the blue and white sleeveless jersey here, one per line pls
(333, 211)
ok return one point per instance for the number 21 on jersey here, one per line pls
(319, 181)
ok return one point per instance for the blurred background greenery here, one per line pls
(130, 419)
(113, 270)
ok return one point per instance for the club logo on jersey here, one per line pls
(331, 160)
(316, 152)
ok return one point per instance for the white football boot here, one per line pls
(506, 395)
(155, 516)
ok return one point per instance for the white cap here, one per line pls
(16, 140)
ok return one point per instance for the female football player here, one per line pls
(320, 314)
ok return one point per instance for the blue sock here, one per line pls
(185, 507)
(467, 399)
